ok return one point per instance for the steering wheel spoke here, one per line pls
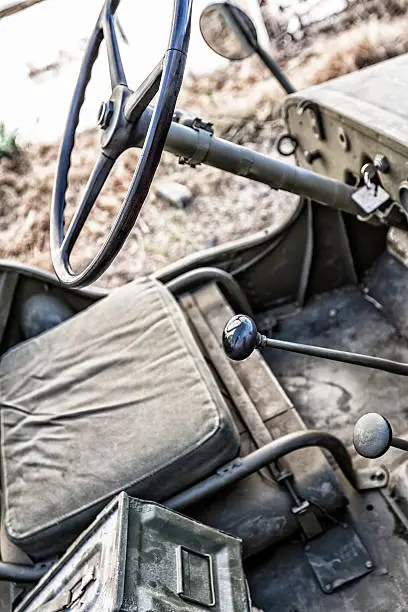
(116, 70)
(96, 181)
(144, 94)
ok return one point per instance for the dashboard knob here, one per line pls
(240, 337)
(372, 435)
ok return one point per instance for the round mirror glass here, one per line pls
(228, 31)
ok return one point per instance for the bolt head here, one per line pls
(105, 114)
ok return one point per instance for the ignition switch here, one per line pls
(370, 171)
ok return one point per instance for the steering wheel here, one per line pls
(118, 119)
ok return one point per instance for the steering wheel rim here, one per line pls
(118, 118)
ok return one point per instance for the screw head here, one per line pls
(105, 114)
(369, 564)
(328, 587)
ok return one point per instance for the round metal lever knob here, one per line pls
(240, 337)
(372, 435)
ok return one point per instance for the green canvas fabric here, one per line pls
(118, 397)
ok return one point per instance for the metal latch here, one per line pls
(302, 509)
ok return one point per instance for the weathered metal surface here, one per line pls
(283, 580)
(257, 508)
(368, 110)
(338, 557)
(138, 555)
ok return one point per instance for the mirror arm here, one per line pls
(186, 142)
(263, 54)
(275, 69)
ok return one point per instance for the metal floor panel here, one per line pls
(282, 580)
(330, 395)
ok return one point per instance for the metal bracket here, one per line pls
(372, 478)
(338, 557)
(383, 215)
(302, 509)
(193, 122)
(370, 198)
(189, 562)
(205, 131)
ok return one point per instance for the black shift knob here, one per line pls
(240, 337)
(372, 435)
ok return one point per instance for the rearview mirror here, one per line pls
(228, 31)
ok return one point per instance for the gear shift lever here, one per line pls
(372, 432)
(373, 436)
(241, 337)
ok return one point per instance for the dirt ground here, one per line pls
(244, 104)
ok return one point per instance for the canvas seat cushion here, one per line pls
(118, 397)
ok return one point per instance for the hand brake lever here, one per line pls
(241, 337)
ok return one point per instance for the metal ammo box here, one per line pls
(140, 556)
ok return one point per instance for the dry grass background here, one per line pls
(244, 103)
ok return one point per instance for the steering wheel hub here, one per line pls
(105, 114)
